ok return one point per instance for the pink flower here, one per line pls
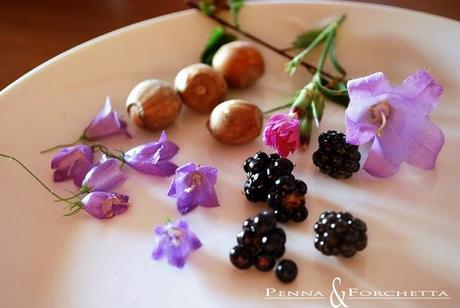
(282, 132)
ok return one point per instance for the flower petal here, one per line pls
(422, 90)
(105, 176)
(377, 163)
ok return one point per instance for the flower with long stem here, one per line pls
(105, 124)
(98, 204)
(307, 105)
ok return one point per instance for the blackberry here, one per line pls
(241, 257)
(286, 270)
(335, 157)
(270, 179)
(287, 199)
(340, 234)
(260, 243)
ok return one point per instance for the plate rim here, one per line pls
(186, 12)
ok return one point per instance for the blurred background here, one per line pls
(33, 31)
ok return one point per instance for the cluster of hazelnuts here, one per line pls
(154, 104)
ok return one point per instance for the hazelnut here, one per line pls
(241, 63)
(235, 122)
(201, 87)
(153, 104)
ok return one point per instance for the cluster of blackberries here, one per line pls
(269, 178)
(335, 157)
(261, 243)
(340, 234)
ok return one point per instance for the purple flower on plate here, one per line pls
(107, 123)
(282, 132)
(105, 204)
(153, 158)
(192, 186)
(72, 163)
(104, 176)
(176, 242)
(396, 120)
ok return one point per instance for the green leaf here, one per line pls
(338, 94)
(217, 38)
(207, 7)
(303, 40)
(334, 60)
(235, 8)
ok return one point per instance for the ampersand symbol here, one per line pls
(337, 295)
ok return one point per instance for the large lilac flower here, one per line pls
(107, 123)
(105, 204)
(176, 242)
(282, 132)
(104, 177)
(192, 186)
(396, 120)
(72, 163)
(153, 158)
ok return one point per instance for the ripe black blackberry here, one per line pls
(335, 157)
(262, 171)
(287, 199)
(270, 179)
(340, 234)
(260, 243)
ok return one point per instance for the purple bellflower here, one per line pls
(176, 242)
(105, 204)
(395, 120)
(192, 186)
(72, 163)
(104, 176)
(153, 158)
(105, 124)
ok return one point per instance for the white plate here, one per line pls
(51, 261)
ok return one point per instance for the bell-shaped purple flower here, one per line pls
(105, 204)
(153, 158)
(105, 176)
(176, 242)
(194, 185)
(107, 123)
(396, 120)
(72, 163)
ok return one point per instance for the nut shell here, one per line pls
(201, 87)
(153, 104)
(235, 122)
(240, 62)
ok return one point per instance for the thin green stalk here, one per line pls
(34, 176)
(59, 146)
(277, 108)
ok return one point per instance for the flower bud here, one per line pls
(153, 104)
(235, 122)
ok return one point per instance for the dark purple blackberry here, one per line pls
(260, 243)
(340, 234)
(264, 222)
(276, 185)
(286, 271)
(241, 257)
(335, 157)
(264, 262)
(287, 199)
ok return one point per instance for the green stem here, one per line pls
(81, 139)
(291, 66)
(107, 153)
(34, 176)
(277, 108)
